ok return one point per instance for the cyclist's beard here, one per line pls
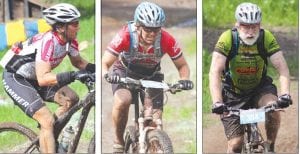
(249, 40)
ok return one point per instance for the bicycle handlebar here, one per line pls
(89, 80)
(137, 84)
(267, 108)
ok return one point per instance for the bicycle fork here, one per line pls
(254, 138)
(143, 133)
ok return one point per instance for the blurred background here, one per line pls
(281, 18)
(179, 118)
(21, 19)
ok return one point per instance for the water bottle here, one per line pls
(65, 140)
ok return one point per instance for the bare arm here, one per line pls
(279, 63)
(44, 75)
(107, 60)
(217, 66)
(183, 68)
(78, 62)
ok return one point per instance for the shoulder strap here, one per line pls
(133, 39)
(157, 46)
(261, 46)
(234, 48)
(235, 44)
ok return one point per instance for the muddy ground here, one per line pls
(114, 15)
(117, 12)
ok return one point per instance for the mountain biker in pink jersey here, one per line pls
(28, 78)
(136, 52)
(239, 79)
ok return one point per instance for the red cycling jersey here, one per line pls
(121, 43)
(47, 47)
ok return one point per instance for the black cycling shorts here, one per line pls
(27, 94)
(231, 124)
(156, 94)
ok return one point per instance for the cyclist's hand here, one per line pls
(186, 84)
(114, 78)
(218, 108)
(284, 101)
(82, 76)
(91, 67)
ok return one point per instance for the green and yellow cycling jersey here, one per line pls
(247, 67)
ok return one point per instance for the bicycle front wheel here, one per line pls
(159, 142)
(130, 139)
(16, 138)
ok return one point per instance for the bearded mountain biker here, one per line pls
(136, 52)
(28, 78)
(238, 77)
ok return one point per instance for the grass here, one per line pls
(10, 112)
(181, 118)
(218, 13)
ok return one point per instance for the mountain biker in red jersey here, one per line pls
(136, 52)
(28, 78)
(242, 82)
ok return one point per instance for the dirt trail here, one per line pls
(116, 13)
(112, 21)
(214, 140)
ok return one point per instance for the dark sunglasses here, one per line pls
(151, 29)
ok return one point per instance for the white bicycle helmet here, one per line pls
(149, 15)
(62, 13)
(248, 13)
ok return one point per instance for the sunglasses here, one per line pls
(151, 29)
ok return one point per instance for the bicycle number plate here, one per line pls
(252, 116)
(154, 84)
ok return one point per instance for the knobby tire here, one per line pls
(9, 130)
(130, 140)
(158, 142)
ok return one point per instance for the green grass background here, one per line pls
(10, 112)
(220, 14)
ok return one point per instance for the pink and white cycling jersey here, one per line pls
(47, 47)
(121, 43)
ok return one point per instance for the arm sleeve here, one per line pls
(170, 46)
(224, 43)
(271, 44)
(121, 42)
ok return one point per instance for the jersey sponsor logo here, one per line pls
(246, 70)
(116, 41)
(247, 81)
(176, 48)
(220, 45)
(15, 96)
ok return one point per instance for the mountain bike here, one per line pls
(147, 136)
(27, 140)
(253, 139)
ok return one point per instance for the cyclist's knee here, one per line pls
(73, 99)
(273, 118)
(265, 99)
(122, 104)
(66, 99)
(122, 99)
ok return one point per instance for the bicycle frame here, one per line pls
(86, 104)
(254, 139)
(249, 118)
(142, 125)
